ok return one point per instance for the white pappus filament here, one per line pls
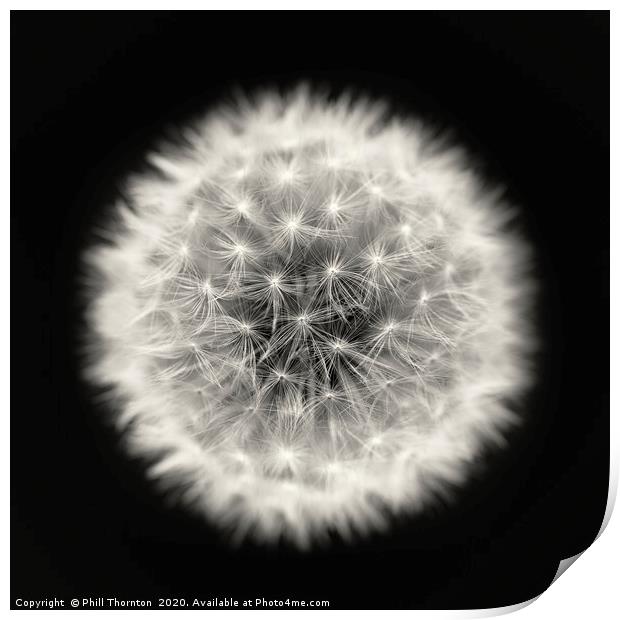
(310, 317)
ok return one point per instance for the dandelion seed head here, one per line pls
(309, 336)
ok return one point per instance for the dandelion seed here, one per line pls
(243, 206)
(192, 218)
(287, 176)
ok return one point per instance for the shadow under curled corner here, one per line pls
(566, 563)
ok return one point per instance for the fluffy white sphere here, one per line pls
(311, 316)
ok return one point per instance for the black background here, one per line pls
(91, 92)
